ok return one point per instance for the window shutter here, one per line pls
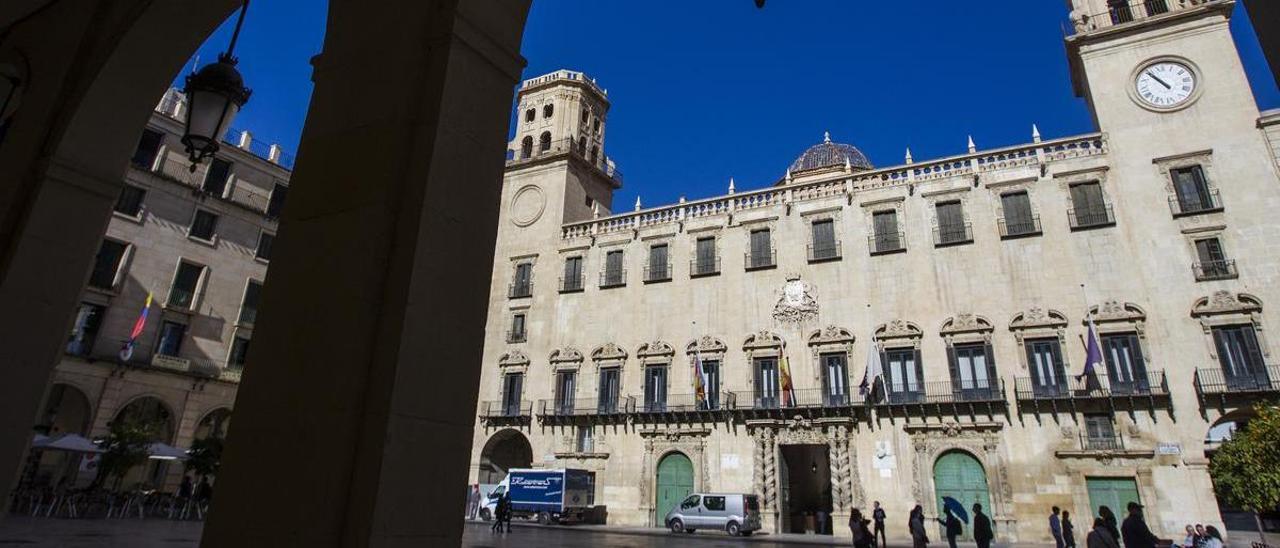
(954, 367)
(992, 380)
(1253, 352)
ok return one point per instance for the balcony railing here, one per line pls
(613, 278)
(685, 403)
(520, 336)
(520, 290)
(804, 398)
(1120, 13)
(1019, 227)
(828, 251)
(1099, 385)
(953, 234)
(1101, 442)
(1207, 202)
(1215, 381)
(584, 407)
(940, 392)
(571, 285)
(892, 242)
(506, 409)
(565, 146)
(181, 298)
(1215, 270)
(705, 266)
(657, 273)
(756, 260)
(1091, 217)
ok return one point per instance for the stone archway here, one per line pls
(959, 475)
(836, 434)
(505, 450)
(673, 481)
(982, 440)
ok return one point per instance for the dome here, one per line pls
(829, 154)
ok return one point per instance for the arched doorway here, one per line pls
(1222, 430)
(505, 450)
(214, 424)
(959, 475)
(66, 411)
(674, 483)
(153, 415)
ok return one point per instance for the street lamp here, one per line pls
(215, 94)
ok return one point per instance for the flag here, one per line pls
(874, 369)
(788, 390)
(1092, 360)
(126, 352)
(699, 382)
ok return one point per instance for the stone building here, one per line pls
(198, 242)
(972, 280)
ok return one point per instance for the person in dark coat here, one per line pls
(1055, 527)
(506, 512)
(915, 524)
(953, 527)
(1100, 536)
(1135, 531)
(1109, 520)
(983, 534)
(878, 516)
(1068, 530)
(185, 488)
(862, 537)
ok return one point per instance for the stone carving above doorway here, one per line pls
(796, 303)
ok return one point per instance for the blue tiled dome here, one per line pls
(829, 154)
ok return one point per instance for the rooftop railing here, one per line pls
(580, 149)
(1125, 12)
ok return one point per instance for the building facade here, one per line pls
(972, 281)
(193, 248)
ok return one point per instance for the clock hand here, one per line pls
(1157, 78)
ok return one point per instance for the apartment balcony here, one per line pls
(584, 410)
(500, 412)
(760, 260)
(1199, 204)
(705, 266)
(572, 285)
(613, 278)
(1019, 227)
(884, 244)
(808, 402)
(520, 290)
(682, 407)
(1098, 392)
(953, 234)
(820, 253)
(1215, 270)
(514, 336)
(939, 398)
(1225, 391)
(1085, 218)
(657, 273)
(1101, 446)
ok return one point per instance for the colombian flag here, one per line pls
(127, 351)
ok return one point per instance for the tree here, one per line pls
(124, 448)
(205, 456)
(1246, 468)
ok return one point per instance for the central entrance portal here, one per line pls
(805, 481)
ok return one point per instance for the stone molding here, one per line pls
(835, 433)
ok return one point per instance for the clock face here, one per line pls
(1166, 84)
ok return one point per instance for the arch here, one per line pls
(66, 410)
(655, 349)
(214, 424)
(544, 141)
(673, 481)
(608, 353)
(1116, 311)
(831, 335)
(762, 339)
(150, 410)
(530, 115)
(898, 329)
(965, 323)
(514, 358)
(548, 110)
(960, 475)
(1226, 302)
(567, 356)
(1037, 318)
(506, 449)
(706, 345)
(526, 147)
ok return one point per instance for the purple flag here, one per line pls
(1092, 352)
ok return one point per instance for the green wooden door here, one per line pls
(960, 476)
(675, 483)
(1114, 493)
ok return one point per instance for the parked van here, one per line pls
(733, 513)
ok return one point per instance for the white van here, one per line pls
(733, 513)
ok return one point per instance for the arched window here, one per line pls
(595, 151)
(544, 142)
(548, 110)
(526, 147)
(530, 114)
(582, 146)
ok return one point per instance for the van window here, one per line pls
(713, 503)
(753, 503)
(691, 502)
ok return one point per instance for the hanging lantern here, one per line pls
(215, 94)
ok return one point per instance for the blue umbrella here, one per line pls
(956, 508)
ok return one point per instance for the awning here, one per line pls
(164, 451)
(73, 443)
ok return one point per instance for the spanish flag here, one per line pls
(699, 382)
(788, 389)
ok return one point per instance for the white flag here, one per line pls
(874, 368)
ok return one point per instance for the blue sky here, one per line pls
(703, 91)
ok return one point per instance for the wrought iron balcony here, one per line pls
(657, 273)
(1123, 13)
(758, 260)
(499, 410)
(520, 290)
(1206, 202)
(685, 403)
(571, 284)
(1215, 381)
(937, 398)
(808, 398)
(1215, 270)
(704, 266)
(828, 251)
(613, 278)
(1104, 442)
(514, 336)
(584, 407)
(1084, 218)
(891, 242)
(1019, 227)
(1092, 391)
(953, 234)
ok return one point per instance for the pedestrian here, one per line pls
(473, 501)
(953, 527)
(1201, 535)
(983, 534)
(1109, 519)
(915, 524)
(498, 508)
(1100, 536)
(1190, 540)
(1212, 538)
(878, 516)
(1068, 530)
(1055, 527)
(1135, 531)
(506, 512)
(184, 488)
(204, 491)
(862, 537)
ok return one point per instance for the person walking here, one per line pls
(878, 516)
(862, 537)
(1055, 527)
(1100, 536)
(952, 526)
(983, 534)
(1212, 538)
(1191, 540)
(1134, 530)
(1068, 530)
(473, 500)
(498, 510)
(1109, 520)
(915, 524)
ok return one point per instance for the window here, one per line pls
(530, 115)
(1193, 194)
(185, 283)
(595, 125)
(522, 284)
(1213, 263)
(1126, 368)
(691, 502)
(1121, 12)
(512, 391)
(711, 383)
(526, 147)
(215, 181)
(972, 371)
(106, 267)
(544, 141)
(171, 335)
(614, 274)
(249, 307)
(713, 502)
(586, 440)
(1018, 219)
(572, 274)
(766, 383)
(595, 153)
(655, 388)
(148, 149)
(610, 384)
(906, 375)
(1048, 373)
(130, 201)
(518, 333)
(952, 228)
(658, 270)
(824, 246)
(548, 110)
(705, 261)
(204, 225)
(761, 254)
(85, 329)
(835, 380)
(239, 353)
(566, 388)
(1100, 433)
(1240, 357)
(887, 238)
(275, 205)
(582, 146)
(1088, 208)
(265, 241)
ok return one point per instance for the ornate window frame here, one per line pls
(761, 344)
(608, 355)
(565, 358)
(1203, 158)
(656, 352)
(1113, 317)
(831, 339)
(1040, 323)
(966, 328)
(898, 334)
(513, 361)
(1226, 308)
(962, 194)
